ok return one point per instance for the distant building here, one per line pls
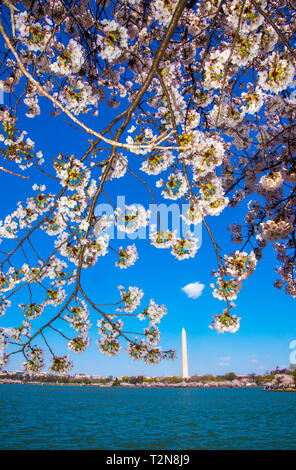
(81, 376)
(279, 371)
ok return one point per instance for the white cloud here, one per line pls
(226, 358)
(254, 360)
(193, 290)
(224, 361)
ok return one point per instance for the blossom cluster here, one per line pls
(225, 323)
(131, 298)
(34, 360)
(109, 332)
(113, 41)
(131, 218)
(127, 256)
(16, 146)
(69, 61)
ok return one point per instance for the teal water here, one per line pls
(85, 418)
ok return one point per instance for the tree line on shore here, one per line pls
(257, 380)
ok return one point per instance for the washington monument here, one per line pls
(184, 356)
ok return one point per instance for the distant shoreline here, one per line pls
(158, 386)
(109, 385)
(278, 380)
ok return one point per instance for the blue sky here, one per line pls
(268, 322)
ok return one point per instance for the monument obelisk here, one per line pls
(184, 356)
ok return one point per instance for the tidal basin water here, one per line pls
(83, 418)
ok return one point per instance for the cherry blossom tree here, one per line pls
(209, 109)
